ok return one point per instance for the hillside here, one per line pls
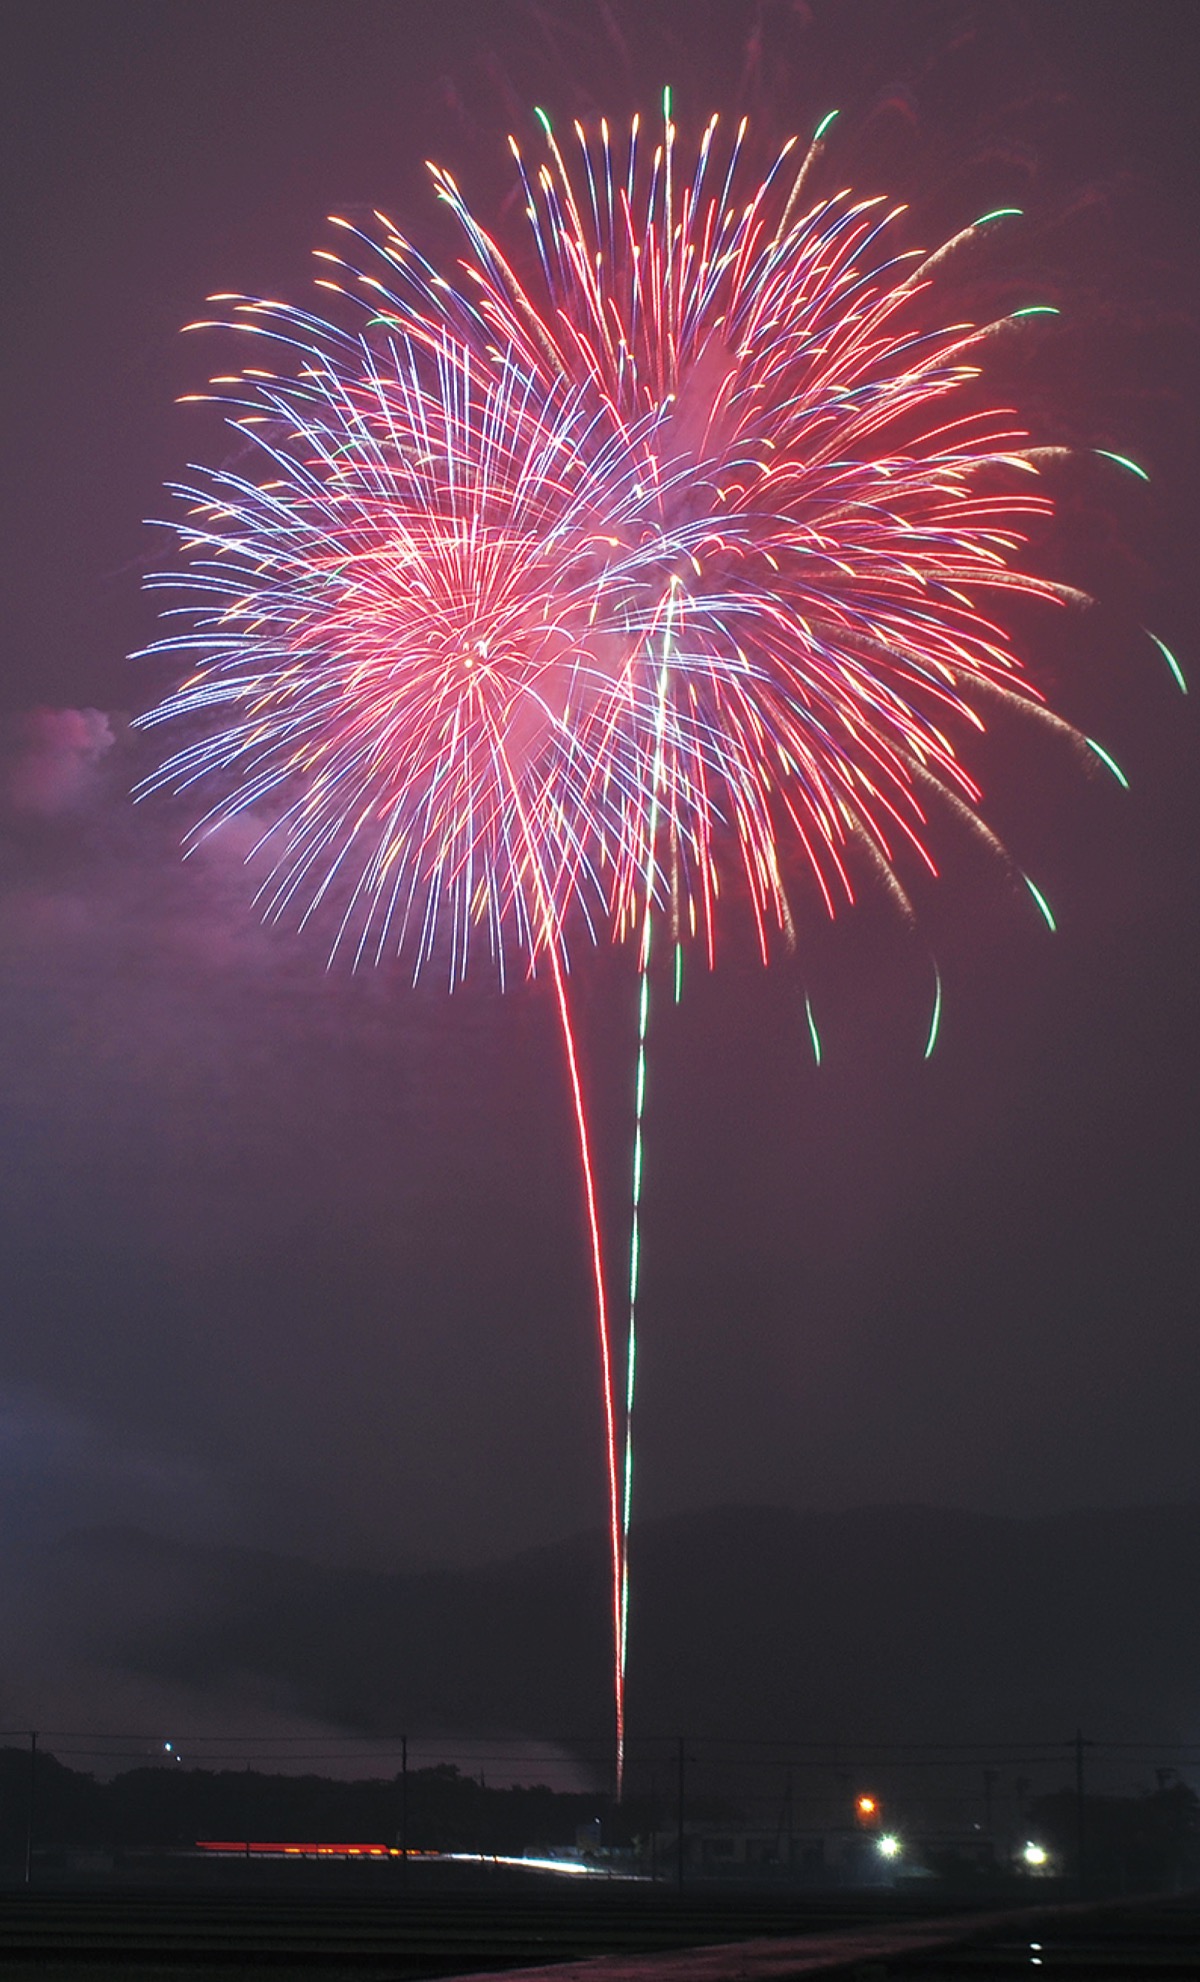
(876, 1624)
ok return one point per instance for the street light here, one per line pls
(889, 1846)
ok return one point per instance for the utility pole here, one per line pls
(31, 1807)
(404, 1801)
(679, 1815)
(786, 1827)
(1079, 1813)
(1021, 1788)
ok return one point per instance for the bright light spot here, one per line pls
(1035, 1854)
(889, 1846)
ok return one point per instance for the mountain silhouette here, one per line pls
(881, 1624)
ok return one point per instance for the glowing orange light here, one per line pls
(269, 1848)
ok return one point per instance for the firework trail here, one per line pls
(547, 604)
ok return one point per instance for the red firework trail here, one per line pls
(546, 599)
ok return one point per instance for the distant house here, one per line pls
(821, 1858)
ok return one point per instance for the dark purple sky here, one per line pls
(299, 1260)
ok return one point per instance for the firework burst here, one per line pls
(550, 597)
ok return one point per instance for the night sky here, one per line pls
(298, 1260)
